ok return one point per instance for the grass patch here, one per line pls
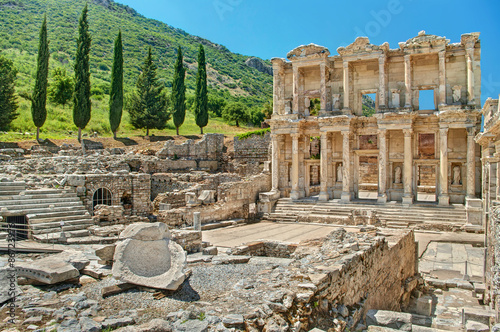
(260, 132)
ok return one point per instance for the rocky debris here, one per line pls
(106, 253)
(47, 270)
(473, 326)
(155, 325)
(107, 231)
(146, 256)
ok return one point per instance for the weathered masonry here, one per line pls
(323, 144)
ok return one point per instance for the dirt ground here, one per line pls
(136, 143)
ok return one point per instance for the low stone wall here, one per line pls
(266, 248)
(254, 148)
(188, 240)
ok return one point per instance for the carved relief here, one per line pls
(336, 101)
(395, 99)
(457, 93)
(397, 175)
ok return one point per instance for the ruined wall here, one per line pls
(253, 148)
(210, 147)
(233, 200)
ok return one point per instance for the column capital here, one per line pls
(381, 59)
(346, 133)
(443, 130)
(442, 54)
(295, 136)
(407, 132)
(324, 134)
(471, 131)
(382, 132)
(407, 57)
(345, 64)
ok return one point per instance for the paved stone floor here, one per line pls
(288, 232)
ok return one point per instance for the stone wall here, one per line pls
(233, 201)
(210, 147)
(188, 240)
(266, 249)
(132, 190)
(254, 148)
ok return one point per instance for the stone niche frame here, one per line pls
(416, 99)
(423, 151)
(368, 92)
(457, 192)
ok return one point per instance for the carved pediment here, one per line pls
(362, 45)
(308, 51)
(424, 40)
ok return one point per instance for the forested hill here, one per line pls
(20, 21)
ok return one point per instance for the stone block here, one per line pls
(210, 251)
(396, 320)
(47, 270)
(105, 253)
(424, 306)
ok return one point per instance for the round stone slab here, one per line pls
(156, 264)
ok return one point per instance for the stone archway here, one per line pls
(102, 196)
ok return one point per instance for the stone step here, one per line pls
(8, 193)
(55, 227)
(73, 221)
(52, 206)
(57, 235)
(40, 217)
(9, 202)
(12, 187)
(67, 218)
(47, 212)
(92, 240)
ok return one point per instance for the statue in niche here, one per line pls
(339, 173)
(457, 93)
(456, 176)
(395, 97)
(307, 105)
(336, 101)
(288, 107)
(397, 175)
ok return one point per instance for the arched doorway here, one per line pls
(102, 196)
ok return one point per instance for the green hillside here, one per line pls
(20, 20)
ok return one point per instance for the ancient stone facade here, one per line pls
(403, 152)
(490, 144)
(252, 149)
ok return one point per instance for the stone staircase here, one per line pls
(45, 209)
(392, 214)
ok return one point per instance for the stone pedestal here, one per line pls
(444, 200)
(197, 221)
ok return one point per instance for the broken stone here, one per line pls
(148, 257)
(230, 259)
(233, 320)
(117, 322)
(472, 326)
(89, 325)
(105, 253)
(191, 325)
(47, 270)
(391, 319)
(210, 251)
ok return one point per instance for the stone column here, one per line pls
(296, 83)
(197, 221)
(278, 86)
(469, 56)
(346, 84)
(323, 195)
(471, 163)
(444, 198)
(408, 167)
(294, 194)
(382, 76)
(346, 168)
(275, 162)
(322, 86)
(442, 78)
(408, 101)
(382, 162)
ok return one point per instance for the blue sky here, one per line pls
(268, 28)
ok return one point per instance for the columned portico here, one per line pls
(275, 162)
(408, 167)
(382, 172)
(444, 198)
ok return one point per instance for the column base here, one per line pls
(444, 200)
(323, 196)
(345, 197)
(294, 195)
(382, 198)
(408, 199)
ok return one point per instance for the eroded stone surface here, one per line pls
(148, 257)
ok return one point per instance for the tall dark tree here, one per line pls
(179, 92)
(201, 96)
(149, 103)
(82, 105)
(39, 98)
(116, 95)
(8, 102)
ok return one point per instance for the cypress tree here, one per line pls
(116, 95)
(82, 105)
(39, 98)
(201, 97)
(149, 104)
(179, 92)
